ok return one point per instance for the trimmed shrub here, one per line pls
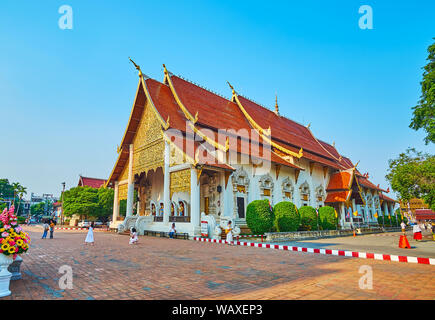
(259, 217)
(327, 220)
(287, 217)
(308, 218)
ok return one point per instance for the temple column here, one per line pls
(353, 210)
(130, 192)
(195, 215)
(342, 215)
(116, 203)
(166, 186)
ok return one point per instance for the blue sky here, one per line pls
(66, 95)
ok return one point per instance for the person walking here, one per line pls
(133, 236)
(45, 226)
(229, 233)
(90, 235)
(433, 230)
(172, 231)
(51, 229)
(403, 225)
(417, 232)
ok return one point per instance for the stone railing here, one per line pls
(307, 235)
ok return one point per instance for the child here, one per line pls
(172, 231)
(417, 232)
(229, 233)
(133, 236)
(90, 235)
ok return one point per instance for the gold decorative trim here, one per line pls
(209, 140)
(165, 124)
(174, 92)
(262, 132)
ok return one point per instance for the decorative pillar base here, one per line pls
(5, 275)
(14, 268)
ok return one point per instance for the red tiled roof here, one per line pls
(337, 196)
(385, 198)
(91, 182)
(424, 214)
(340, 180)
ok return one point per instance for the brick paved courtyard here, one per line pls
(180, 269)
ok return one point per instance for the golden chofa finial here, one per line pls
(356, 164)
(309, 125)
(137, 67)
(333, 144)
(276, 105)
(232, 88)
(164, 69)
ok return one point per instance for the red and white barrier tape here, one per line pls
(248, 236)
(75, 229)
(344, 253)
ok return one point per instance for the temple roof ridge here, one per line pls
(202, 87)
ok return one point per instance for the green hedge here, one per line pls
(308, 218)
(327, 220)
(287, 217)
(259, 217)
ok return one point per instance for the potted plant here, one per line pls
(13, 241)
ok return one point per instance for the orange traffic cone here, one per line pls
(403, 242)
(354, 233)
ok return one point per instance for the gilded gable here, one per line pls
(148, 143)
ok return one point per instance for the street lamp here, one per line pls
(61, 212)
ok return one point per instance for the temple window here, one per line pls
(304, 191)
(320, 195)
(287, 190)
(266, 187)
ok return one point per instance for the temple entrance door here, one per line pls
(241, 207)
(206, 205)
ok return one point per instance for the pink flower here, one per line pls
(12, 242)
(18, 229)
(6, 226)
(14, 223)
(16, 250)
(5, 234)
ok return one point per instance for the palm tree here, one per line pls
(21, 192)
(15, 186)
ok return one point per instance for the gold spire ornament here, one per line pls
(276, 105)
(137, 67)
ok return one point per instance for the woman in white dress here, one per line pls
(229, 233)
(133, 236)
(90, 235)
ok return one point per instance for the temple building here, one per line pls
(191, 155)
(91, 182)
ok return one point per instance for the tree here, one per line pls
(424, 112)
(412, 175)
(105, 202)
(90, 202)
(37, 209)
